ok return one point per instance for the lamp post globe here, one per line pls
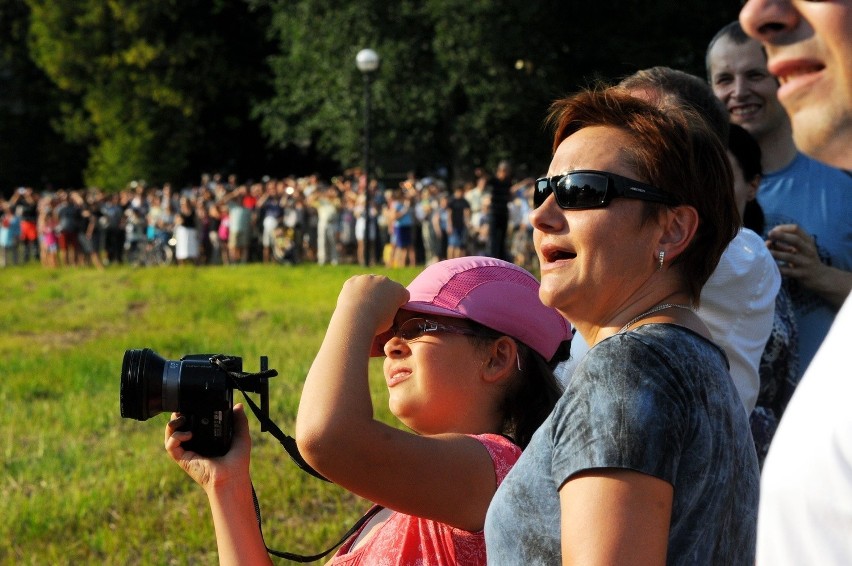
(367, 62)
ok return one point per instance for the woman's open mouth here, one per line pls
(552, 254)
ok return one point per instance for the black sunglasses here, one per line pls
(595, 189)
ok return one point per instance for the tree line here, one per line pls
(100, 92)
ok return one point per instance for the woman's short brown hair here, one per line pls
(674, 150)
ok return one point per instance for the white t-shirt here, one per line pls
(738, 307)
(805, 514)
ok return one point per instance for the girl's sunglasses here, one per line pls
(595, 189)
(415, 328)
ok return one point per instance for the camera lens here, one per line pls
(141, 395)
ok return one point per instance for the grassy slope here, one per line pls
(83, 486)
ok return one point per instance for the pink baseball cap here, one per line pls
(492, 292)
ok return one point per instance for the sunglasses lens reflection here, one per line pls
(542, 191)
(581, 191)
(572, 191)
(411, 329)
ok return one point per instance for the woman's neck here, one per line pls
(640, 309)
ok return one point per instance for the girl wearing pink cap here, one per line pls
(469, 350)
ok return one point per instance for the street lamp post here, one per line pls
(367, 62)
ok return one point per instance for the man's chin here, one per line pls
(824, 137)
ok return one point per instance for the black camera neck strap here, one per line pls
(237, 380)
(310, 558)
(289, 444)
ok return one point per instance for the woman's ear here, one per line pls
(501, 361)
(679, 225)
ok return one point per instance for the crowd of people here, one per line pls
(693, 245)
(222, 220)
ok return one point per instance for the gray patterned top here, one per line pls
(658, 400)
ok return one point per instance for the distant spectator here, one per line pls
(88, 232)
(186, 233)
(270, 213)
(69, 220)
(239, 225)
(24, 204)
(134, 235)
(519, 226)
(498, 220)
(202, 226)
(10, 232)
(459, 216)
(113, 215)
(214, 223)
(223, 232)
(428, 214)
(403, 228)
(327, 205)
(47, 228)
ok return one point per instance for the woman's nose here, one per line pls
(548, 217)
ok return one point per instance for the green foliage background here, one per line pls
(80, 485)
(165, 89)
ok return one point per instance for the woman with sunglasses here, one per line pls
(647, 457)
(469, 350)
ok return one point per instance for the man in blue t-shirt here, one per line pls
(807, 204)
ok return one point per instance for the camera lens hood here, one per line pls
(140, 396)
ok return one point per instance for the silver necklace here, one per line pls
(652, 311)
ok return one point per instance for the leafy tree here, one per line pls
(165, 89)
(462, 83)
(162, 87)
(31, 152)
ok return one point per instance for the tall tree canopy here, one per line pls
(160, 85)
(166, 89)
(462, 83)
(31, 151)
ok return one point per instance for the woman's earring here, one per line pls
(662, 259)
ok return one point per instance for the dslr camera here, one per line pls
(199, 386)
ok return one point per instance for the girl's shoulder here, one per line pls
(503, 451)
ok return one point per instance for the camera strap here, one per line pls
(237, 381)
(310, 558)
(288, 442)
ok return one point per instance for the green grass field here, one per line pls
(80, 484)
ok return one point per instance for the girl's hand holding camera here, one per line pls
(368, 303)
(212, 473)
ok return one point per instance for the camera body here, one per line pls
(194, 386)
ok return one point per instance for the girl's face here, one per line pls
(433, 379)
(592, 260)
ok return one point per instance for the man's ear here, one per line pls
(679, 225)
(502, 360)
